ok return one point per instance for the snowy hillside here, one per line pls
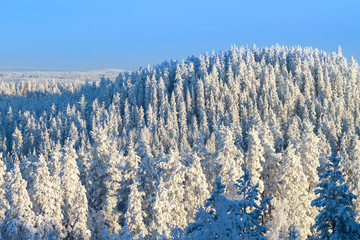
(135, 156)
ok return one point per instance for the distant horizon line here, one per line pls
(30, 69)
(50, 69)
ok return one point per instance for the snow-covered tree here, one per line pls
(351, 166)
(47, 202)
(336, 219)
(196, 187)
(221, 218)
(250, 212)
(3, 202)
(255, 158)
(309, 154)
(75, 206)
(134, 216)
(19, 218)
(293, 187)
(292, 234)
(213, 220)
(168, 208)
(104, 179)
(227, 161)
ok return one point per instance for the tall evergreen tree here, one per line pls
(20, 218)
(255, 158)
(221, 218)
(4, 205)
(196, 187)
(47, 202)
(168, 208)
(336, 219)
(75, 206)
(292, 190)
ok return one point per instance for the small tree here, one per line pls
(250, 212)
(212, 220)
(221, 218)
(336, 219)
(293, 234)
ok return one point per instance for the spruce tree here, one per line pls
(20, 218)
(292, 234)
(75, 206)
(336, 219)
(47, 202)
(3, 202)
(221, 218)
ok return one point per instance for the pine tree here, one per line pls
(255, 158)
(20, 218)
(227, 161)
(251, 213)
(212, 220)
(134, 216)
(47, 202)
(113, 184)
(4, 205)
(292, 234)
(75, 207)
(196, 187)
(336, 219)
(309, 154)
(221, 218)
(351, 166)
(105, 180)
(293, 187)
(168, 208)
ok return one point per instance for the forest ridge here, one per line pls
(134, 157)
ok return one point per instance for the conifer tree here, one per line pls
(227, 161)
(113, 184)
(293, 187)
(196, 187)
(19, 219)
(309, 154)
(292, 234)
(336, 219)
(75, 206)
(104, 183)
(255, 158)
(3, 202)
(47, 202)
(221, 218)
(212, 220)
(134, 216)
(168, 208)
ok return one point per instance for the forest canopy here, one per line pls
(135, 156)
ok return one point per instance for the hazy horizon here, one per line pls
(59, 69)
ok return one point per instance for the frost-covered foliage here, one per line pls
(20, 218)
(215, 219)
(251, 209)
(336, 219)
(292, 234)
(221, 218)
(118, 151)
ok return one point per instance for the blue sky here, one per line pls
(89, 35)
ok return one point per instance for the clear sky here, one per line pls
(99, 34)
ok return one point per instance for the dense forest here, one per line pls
(138, 156)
